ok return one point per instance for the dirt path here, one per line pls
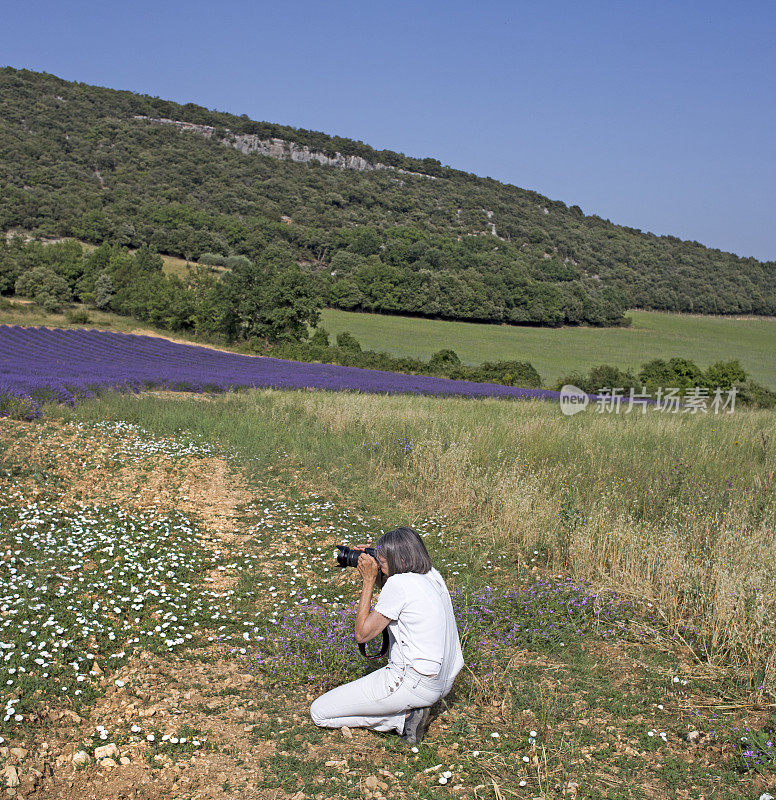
(206, 689)
(201, 690)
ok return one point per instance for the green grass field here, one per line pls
(556, 352)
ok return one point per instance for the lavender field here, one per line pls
(42, 365)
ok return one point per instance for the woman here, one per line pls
(425, 654)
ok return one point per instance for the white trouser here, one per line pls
(379, 700)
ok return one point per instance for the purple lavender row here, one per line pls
(65, 365)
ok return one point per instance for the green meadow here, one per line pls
(613, 580)
(555, 352)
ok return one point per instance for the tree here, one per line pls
(273, 299)
(214, 311)
(365, 242)
(9, 268)
(45, 287)
(103, 291)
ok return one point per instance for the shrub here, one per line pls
(211, 259)
(725, 374)
(686, 373)
(216, 260)
(604, 376)
(443, 360)
(752, 393)
(676, 372)
(320, 338)
(45, 287)
(78, 317)
(235, 262)
(347, 341)
(612, 377)
(656, 373)
(507, 373)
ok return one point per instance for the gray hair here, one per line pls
(404, 551)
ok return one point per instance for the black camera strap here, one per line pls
(383, 649)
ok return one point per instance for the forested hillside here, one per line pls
(367, 231)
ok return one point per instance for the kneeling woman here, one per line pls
(425, 654)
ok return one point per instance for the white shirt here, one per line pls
(422, 631)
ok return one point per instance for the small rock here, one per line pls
(106, 751)
(693, 736)
(81, 758)
(108, 762)
(18, 752)
(124, 761)
(346, 732)
(96, 670)
(371, 782)
(11, 777)
(571, 789)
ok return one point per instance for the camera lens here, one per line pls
(348, 557)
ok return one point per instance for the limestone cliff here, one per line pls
(279, 148)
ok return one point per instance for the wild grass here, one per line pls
(674, 510)
(15, 311)
(564, 683)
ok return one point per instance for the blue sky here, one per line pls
(658, 115)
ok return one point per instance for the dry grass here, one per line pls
(678, 510)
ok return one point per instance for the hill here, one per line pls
(373, 230)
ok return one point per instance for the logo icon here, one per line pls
(572, 400)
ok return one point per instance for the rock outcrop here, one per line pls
(279, 148)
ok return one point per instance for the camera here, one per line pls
(348, 557)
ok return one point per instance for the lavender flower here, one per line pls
(40, 365)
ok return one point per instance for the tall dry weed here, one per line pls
(669, 509)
